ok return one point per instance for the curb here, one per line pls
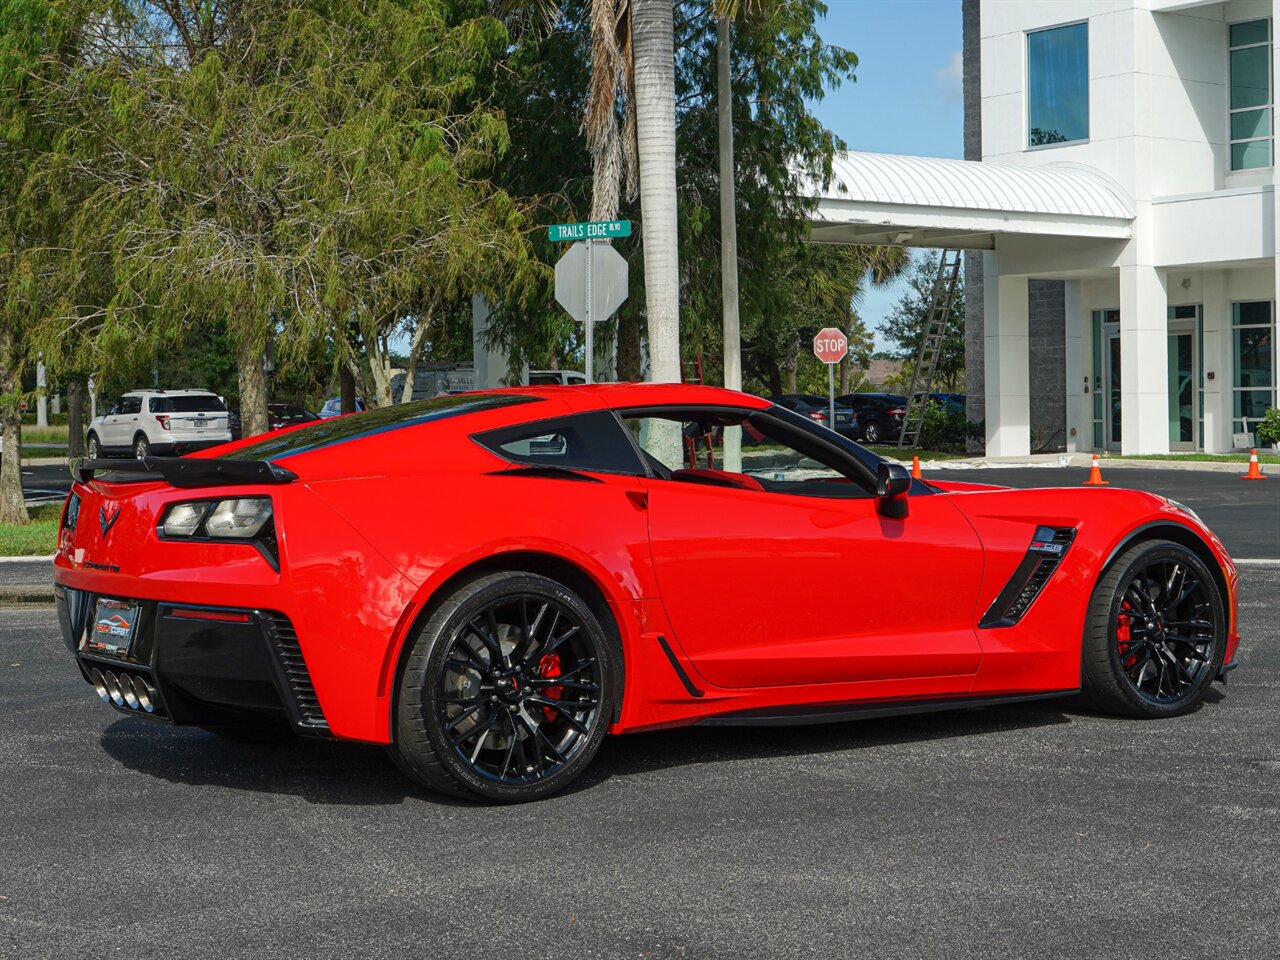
(40, 595)
(1067, 461)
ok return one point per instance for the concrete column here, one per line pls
(1144, 357)
(1079, 362)
(1007, 388)
(1216, 435)
(42, 398)
(57, 404)
(490, 363)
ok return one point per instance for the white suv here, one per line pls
(146, 422)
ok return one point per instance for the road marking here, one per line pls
(1257, 562)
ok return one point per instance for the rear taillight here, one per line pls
(820, 417)
(71, 512)
(897, 412)
(164, 421)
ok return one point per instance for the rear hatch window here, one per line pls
(190, 404)
(356, 426)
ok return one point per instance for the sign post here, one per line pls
(831, 346)
(591, 278)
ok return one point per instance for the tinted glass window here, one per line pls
(589, 441)
(326, 433)
(131, 405)
(687, 445)
(1250, 98)
(1058, 85)
(194, 404)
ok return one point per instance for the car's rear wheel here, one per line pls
(141, 447)
(506, 693)
(871, 432)
(1156, 632)
(92, 448)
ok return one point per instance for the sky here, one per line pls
(907, 96)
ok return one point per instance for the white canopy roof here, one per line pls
(928, 201)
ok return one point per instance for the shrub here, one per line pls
(1269, 427)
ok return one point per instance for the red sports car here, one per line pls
(487, 583)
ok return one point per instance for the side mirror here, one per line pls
(893, 484)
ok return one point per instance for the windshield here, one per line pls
(326, 433)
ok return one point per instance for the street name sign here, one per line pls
(591, 230)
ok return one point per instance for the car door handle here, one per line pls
(640, 498)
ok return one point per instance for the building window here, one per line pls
(1249, 55)
(1058, 85)
(1253, 335)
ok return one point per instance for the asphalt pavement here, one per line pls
(1244, 514)
(1028, 831)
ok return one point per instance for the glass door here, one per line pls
(1182, 391)
(1112, 412)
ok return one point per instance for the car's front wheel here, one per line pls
(506, 693)
(1156, 631)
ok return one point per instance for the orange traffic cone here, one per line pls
(915, 467)
(1255, 472)
(1095, 475)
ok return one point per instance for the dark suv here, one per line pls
(880, 415)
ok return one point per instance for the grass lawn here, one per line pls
(35, 539)
(1208, 457)
(54, 434)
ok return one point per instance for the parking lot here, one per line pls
(1031, 831)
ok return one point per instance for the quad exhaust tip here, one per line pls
(124, 690)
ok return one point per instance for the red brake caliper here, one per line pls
(549, 669)
(1123, 637)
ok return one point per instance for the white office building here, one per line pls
(1119, 204)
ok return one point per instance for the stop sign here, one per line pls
(830, 345)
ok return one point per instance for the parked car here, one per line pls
(333, 407)
(143, 423)
(547, 378)
(818, 410)
(278, 415)
(879, 415)
(952, 403)
(452, 606)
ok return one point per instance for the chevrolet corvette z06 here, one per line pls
(489, 583)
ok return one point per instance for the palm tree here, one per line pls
(653, 53)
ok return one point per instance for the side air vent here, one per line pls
(303, 704)
(1044, 555)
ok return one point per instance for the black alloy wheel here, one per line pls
(1156, 634)
(506, 693)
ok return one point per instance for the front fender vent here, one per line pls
(1044, 555)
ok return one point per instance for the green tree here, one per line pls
(316, 168)
(902, 328)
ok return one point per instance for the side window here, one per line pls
(688, 446)
(130, 405)
(587, 441)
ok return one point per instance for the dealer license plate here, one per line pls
(114, 624)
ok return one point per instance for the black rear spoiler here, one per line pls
(182, 472)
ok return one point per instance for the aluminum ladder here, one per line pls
(933, 334)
